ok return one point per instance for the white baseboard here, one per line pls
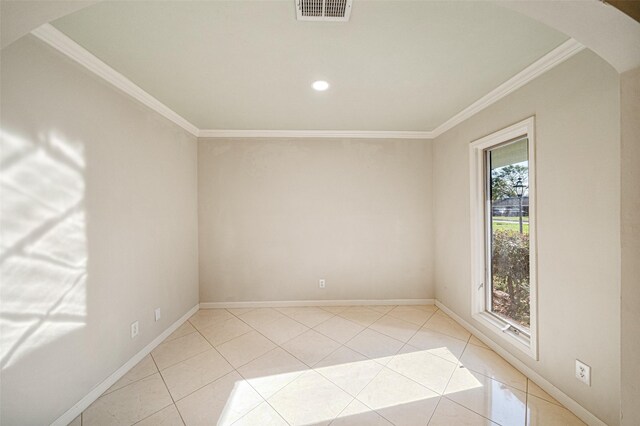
(288, 303)
(95, 393)
(577, 409)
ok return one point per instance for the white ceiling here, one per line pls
(396, 66)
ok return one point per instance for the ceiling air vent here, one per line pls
(323, 10)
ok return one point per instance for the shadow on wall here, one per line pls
(43, 244)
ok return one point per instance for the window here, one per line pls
(503, 235)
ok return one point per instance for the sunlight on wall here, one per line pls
(311, 384)
(43, 245)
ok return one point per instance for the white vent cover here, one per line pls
(323, 10)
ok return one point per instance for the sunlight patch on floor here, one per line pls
(301, 395)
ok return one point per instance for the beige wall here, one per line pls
(99, 228)
(277, 215)
(630, 235)
(576, 106)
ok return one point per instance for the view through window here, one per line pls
(508, 295)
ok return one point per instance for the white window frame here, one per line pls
(502, 330)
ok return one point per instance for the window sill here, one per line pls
(500, 329)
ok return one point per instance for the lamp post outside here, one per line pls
(519, 187)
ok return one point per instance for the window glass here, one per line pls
(508, 255)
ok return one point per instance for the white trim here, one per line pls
(73, 50)
(95, 393)
(577, 409)
(479, 247)
(539, 67)
(287, 303)
(361, 134)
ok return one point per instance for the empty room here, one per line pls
(314, 212)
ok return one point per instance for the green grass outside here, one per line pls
(511, 226)
(511, 218)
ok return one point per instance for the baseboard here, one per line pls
(288, 303)
(95, 393)
(577, 409)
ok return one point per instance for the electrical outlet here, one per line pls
(321, 283)
(157, 314)
(135, 329)
(583, 372)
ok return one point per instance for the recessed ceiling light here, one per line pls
(320, 85)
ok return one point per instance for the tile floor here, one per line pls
(359, 365)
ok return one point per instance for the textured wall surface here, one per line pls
(99, 228)
(277, 215)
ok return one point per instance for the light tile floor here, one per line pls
(364, 365)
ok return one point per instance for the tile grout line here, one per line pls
(437, 405)
(186, 359)
(369, 382)
(369, 328)
(284, 349)
(342, 411)
(173, 340)
(105, 393)
(220, 322)
(167, 386)
(311, 368)
(385, 365)
(413, 380)
(168, 391)
(440, 396)
(494, 352)
(234, 369)
(494, 378)
(493, 422)
(461, 365)
(221, 355)
(244, 378)
(526, 403)
(266, 400)
(132, 383)
(449, 381)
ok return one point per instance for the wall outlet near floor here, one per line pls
(157, 314)
(321, 283)
(583, 372)
(135, 329)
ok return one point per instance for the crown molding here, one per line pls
(539, 67)
(356, 134)
(73, 50)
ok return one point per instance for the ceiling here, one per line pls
(249, 65)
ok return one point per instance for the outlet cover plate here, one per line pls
(135, 329)
(583, 372)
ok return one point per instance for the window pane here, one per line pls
(508, 265)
